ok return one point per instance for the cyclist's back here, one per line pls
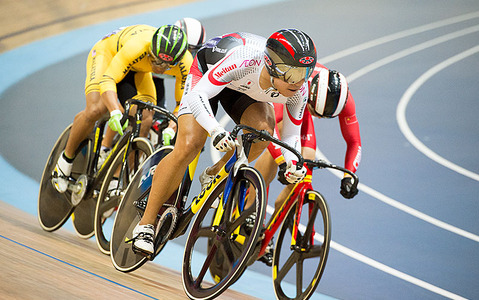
(242, 55)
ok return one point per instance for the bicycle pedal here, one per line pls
(141, 204)
(267, 259)
(149, 256)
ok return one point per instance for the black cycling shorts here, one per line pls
(233, 102)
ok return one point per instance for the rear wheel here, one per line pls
(113, 188)
(225, 248)
(298, 269)
(55, 208)
(129, 213)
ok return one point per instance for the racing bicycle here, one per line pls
(124, 165)
(303, 242)
(230, 185)
(79, 201)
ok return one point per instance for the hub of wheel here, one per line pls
(78, 189)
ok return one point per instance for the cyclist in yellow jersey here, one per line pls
(196, 35)
(141, 49)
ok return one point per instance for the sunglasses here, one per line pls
(292, 75)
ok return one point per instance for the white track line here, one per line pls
(445, 38)
(401, 113)
(215, 156)
(411, 211)
(398, 35)
(389, 59)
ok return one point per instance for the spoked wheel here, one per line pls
(129, 213)
(113, 188)
(55, 208)
(230, 244)
(297, 271)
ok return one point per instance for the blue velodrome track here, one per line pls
(413, 231)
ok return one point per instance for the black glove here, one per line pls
(281, 177)
(347, 189)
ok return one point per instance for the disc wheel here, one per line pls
(129, 213)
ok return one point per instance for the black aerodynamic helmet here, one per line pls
(328, 94)
(169, 44)
(290, 55)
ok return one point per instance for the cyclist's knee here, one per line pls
(265, 124)
(260, 116)
(187, 148)
(94, 108)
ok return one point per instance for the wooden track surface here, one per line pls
(25, 21)
(58, 265)
(35, 264)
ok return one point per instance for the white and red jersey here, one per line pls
(235, 61)
(348, 123)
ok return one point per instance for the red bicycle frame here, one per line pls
(297, 195)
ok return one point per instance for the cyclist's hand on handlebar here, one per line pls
(289, 173)
(348, 190)
(222, 140)
(168, 134)
(115, 121)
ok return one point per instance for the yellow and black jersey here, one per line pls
(125, 50)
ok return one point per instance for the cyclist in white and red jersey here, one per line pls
(329, 98)
(244, 72)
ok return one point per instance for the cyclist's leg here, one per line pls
(191, 138)
(146, 122)
(82, 125)
(267, 167)
(259, 115)
(97, 62)
(84, 122)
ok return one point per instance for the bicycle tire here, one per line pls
(55, 208)
(195, 283)
(307, 256)
(109, 199)
(129, 214)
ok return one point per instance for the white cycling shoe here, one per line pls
(113, 190)
(143, 238)
(205, 179)
(103, 155)
(60, 174)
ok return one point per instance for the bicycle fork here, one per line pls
(308, 235)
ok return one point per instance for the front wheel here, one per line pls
(223, 247)
(300, 261)
(116, 180)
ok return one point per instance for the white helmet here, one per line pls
(194, 31)
(328, 94)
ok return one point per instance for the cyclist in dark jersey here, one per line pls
(245, 73)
